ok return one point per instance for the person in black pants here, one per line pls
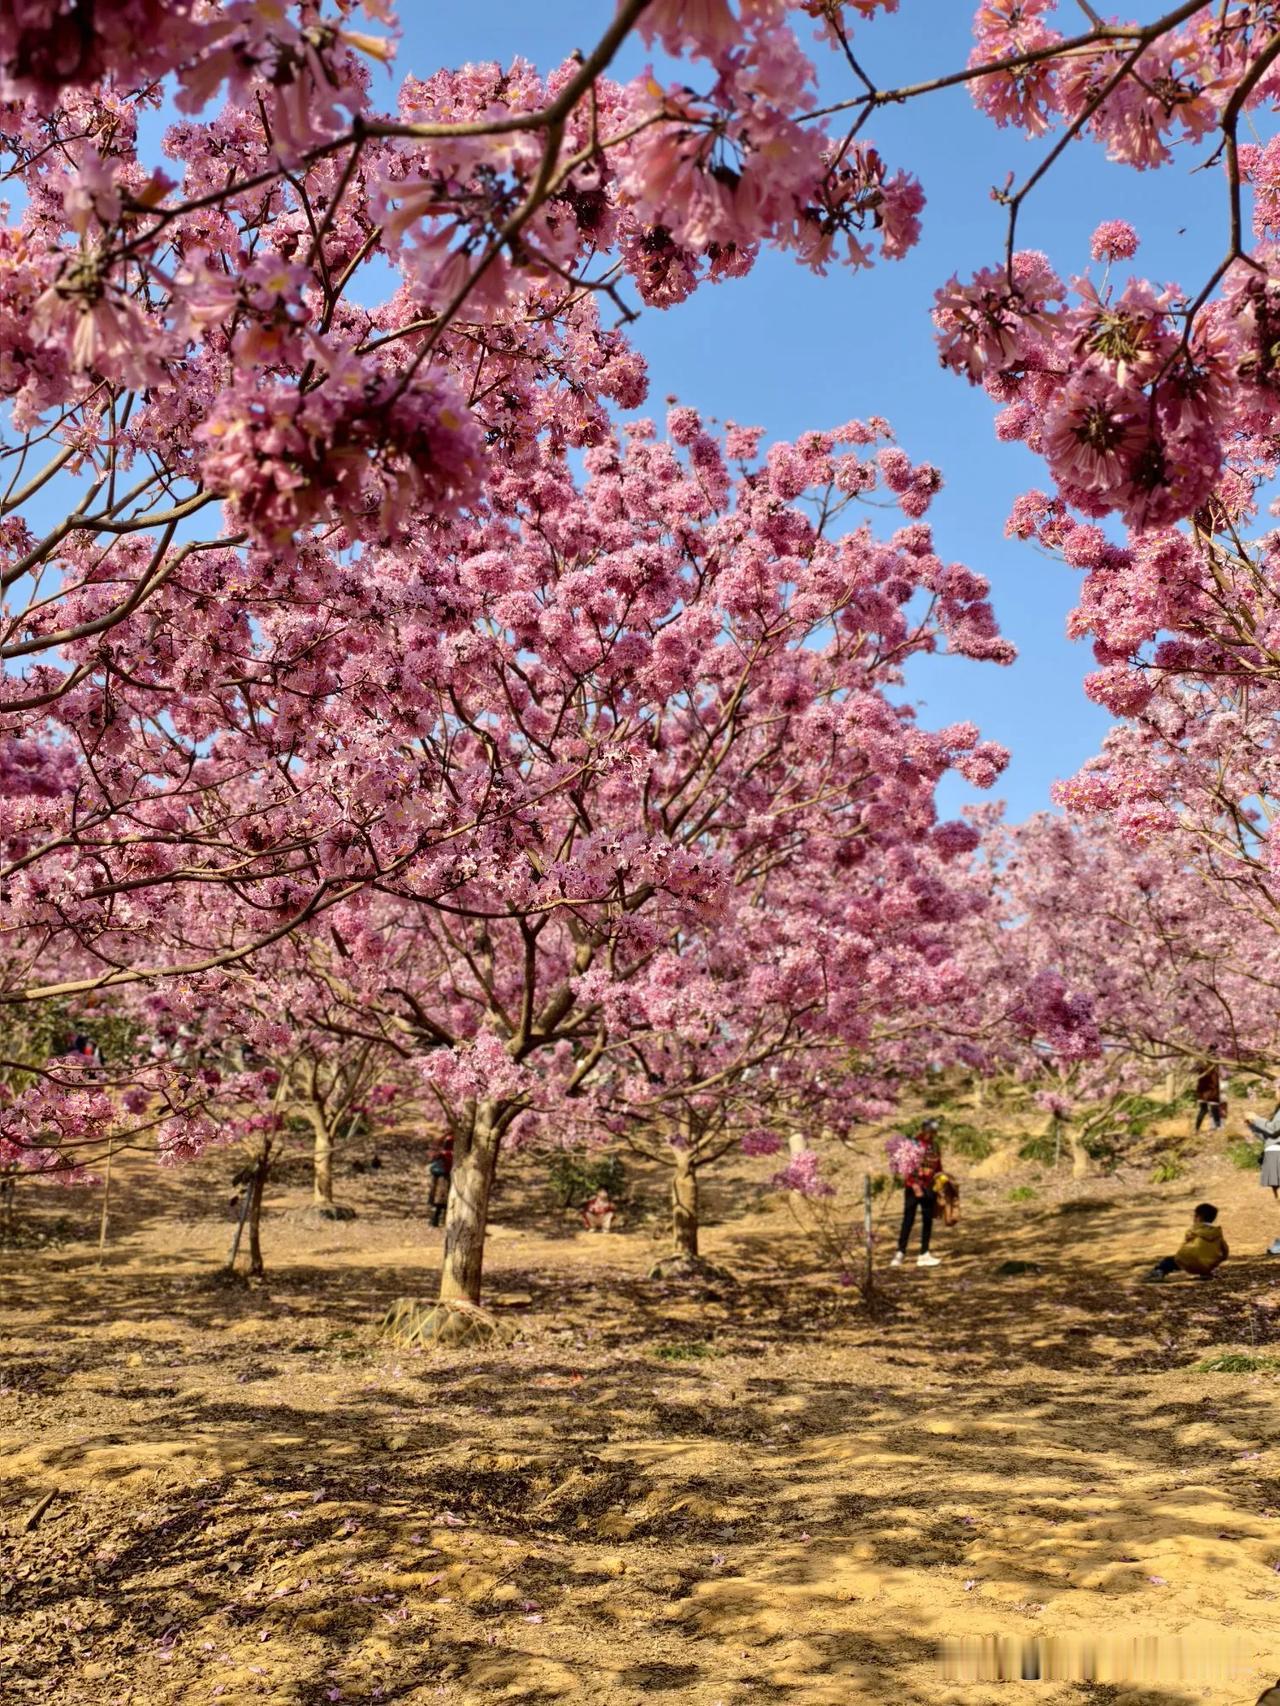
(441, 1171)
(927, 1202)
(920, 1194)
(1209, 1095)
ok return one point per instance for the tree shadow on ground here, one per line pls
(773, 1492)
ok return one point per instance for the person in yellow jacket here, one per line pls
(1201, 1251)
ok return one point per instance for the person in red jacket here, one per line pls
(597, 1215)
(920, 1193)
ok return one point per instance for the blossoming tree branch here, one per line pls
(358, 632)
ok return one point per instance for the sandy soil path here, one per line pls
(766, 1495)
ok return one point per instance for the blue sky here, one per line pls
(787, 351)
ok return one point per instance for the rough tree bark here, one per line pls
(257, 1187)
(321, 1160)
(1081, 1163)
(684, 1205)
(462, 1266)
(685, 1262)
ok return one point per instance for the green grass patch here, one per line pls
(1103, 1146)
(1142, 1110)
(1237, 1362)
(694, 1352)
(1166, 1170)
(1041, 1147)
(970, 1142)
(1244, 1154)
(1023, 1193)
(1085, 1205)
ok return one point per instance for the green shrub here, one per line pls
(967, 1141)
(573, 1179)
(882, 1184)
(1023, 1193)
(1142, 1110)
(1012, 1267)
(694, 1352)
(1103, 1147)
(1237, 1362)
(1166, 1170)
(1244, 1154)
(28, 1038)
(1040, 1147)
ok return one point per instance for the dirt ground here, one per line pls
(769, 1494)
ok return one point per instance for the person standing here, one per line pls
(441, 1170)
(1209, 1094)
(1269, 1175)
(920, 1196)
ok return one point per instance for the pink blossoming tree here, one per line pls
(308, 625)
(783, 1014)
(674, 676)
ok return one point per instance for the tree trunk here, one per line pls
(322, 1162)
(257, 1187)
(1081, 1165)
(467, 1215)
(106, 1207)
(684, 1205)
(868, 1236)
(239, 1232)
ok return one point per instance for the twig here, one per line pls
(33, 1517)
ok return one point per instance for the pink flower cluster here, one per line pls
(1063, 1018)
(1136, 396)
(906, 1155)
(356, 450)
(1174, 90)
(1114, 240)
(803, 1175)
(761, 1142)
(1128, 416)
(1054, 1103)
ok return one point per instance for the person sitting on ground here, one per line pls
(1201, 1251)
(598, 1213)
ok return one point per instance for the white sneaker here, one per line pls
(897, 1259)
(928, 1261)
